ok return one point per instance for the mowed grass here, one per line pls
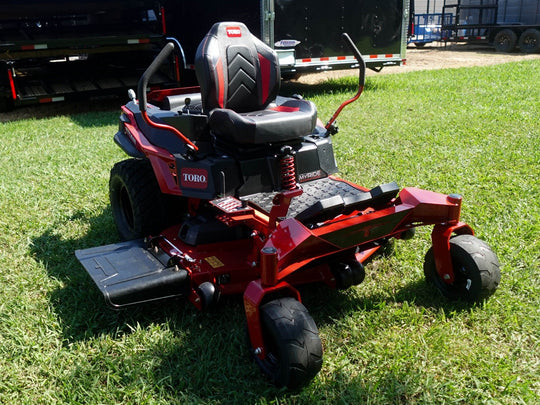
(392, 339)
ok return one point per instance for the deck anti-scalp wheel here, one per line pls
(476, 270)
(138, 206)
(294, 349)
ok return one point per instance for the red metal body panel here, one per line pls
(163, 162)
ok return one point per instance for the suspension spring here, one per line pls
(288, 169)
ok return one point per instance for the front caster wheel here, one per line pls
(476, 270)
(293, 347)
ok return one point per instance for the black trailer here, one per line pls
(53, 50)
(506, 24)
(56, 50)
(305, 33)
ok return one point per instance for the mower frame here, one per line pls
(276, 251)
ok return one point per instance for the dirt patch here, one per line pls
(429, 57)
(437, 57)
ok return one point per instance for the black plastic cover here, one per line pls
(127, 273)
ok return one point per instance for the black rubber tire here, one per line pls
(476, 270)
(288, 76)
(343, 275)
(139, 208)
(348, 274)
(6, 103)
(505, 41)
(293, 346)
(529, 41)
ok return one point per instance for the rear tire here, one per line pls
(6, 103)
(138, 206)
(505, 41)
(476, 270)
(529, 41)
(292, 342)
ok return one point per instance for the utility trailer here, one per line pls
(505, 24)
(427, 21)
(56, 50)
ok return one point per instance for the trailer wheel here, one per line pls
(529, 41)
(476, 270)
(292, 342)
(6, 103)
(505, 41)
(138, 206)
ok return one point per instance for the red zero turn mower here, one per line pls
(229, 190)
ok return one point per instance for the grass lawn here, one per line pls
(392, 339)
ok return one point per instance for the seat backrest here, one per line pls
(236, 70)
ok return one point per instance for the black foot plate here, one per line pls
(128, 273)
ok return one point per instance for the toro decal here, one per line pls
(233, 32)
(194, 178)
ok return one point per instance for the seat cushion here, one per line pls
(292, 119)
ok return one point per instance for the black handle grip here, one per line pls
(149, 72)
(362, 74)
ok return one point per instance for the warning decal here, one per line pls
(214, 262)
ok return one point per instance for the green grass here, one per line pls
(390, 340)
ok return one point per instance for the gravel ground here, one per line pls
(439, 57)
(429, 57)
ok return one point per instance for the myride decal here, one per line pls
(194, 178)
(317, 174)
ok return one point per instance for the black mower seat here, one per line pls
(239, 77)
(291, 120)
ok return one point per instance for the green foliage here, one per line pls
(390, 340)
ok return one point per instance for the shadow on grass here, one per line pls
(205, 356)
(346, 85)
(326, 304)
(82, 112)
